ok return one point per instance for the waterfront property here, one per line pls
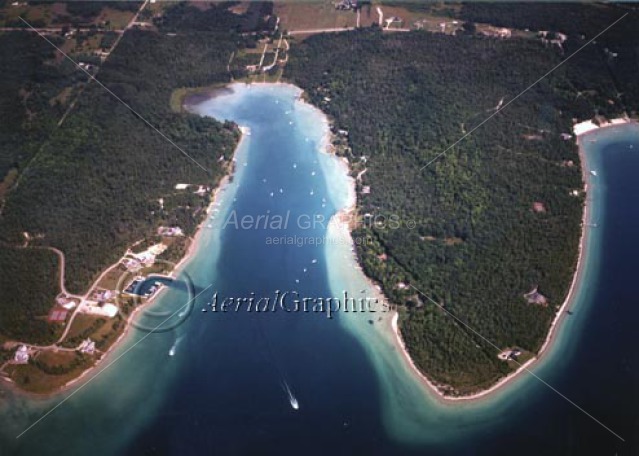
(382, 407)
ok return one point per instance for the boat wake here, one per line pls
(174, 347)
(270, 356)
(291, 398)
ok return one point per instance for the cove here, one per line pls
(223, 382)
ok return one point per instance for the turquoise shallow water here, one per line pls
(229, 385)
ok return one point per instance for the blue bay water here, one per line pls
(220, 382)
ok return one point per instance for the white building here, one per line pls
(87, 346)
(22, 355)
(106, 310)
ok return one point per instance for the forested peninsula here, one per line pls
(85, 178)
(490, 230)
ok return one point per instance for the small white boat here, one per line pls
(593, 172)
(291, 397)
(314, 261)
(272, 194)
(175, 344)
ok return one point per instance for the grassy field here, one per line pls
(43, 14)
(82, 327)
(56, 15)
(111, 279)
(316, 15)
(116, 19)
(53, 370)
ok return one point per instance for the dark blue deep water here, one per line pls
(223, 382)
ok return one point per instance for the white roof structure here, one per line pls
(22, 355)
(107, 310)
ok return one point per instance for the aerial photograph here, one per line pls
(319, 227)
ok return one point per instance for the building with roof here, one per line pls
(22, 355)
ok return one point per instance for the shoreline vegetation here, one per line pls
(477, 258)
(343, 220)
(173, 272)
(114, 199)
(185, 98)
(81, 190)
(344, 216)
(484, 381)
(581, 131)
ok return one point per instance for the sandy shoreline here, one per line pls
(193, 246)
(187, 256)
(581, 130)
(189, 100)
(340, 225)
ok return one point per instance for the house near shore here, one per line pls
(170, 231)
(87, 346)
(131, 264)
(535, 297)
(509, 354)
(103, 295)
(22, 355)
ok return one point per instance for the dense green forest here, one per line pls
(93, 186)
(27, 84)
(478, 245)
(577, 20)
(28, 283)
(73, 13)
(217, 18)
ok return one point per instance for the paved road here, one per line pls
(326, 30)
(46, 30)
(341, 29)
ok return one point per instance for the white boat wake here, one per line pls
(291, 397)
(174, 347)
